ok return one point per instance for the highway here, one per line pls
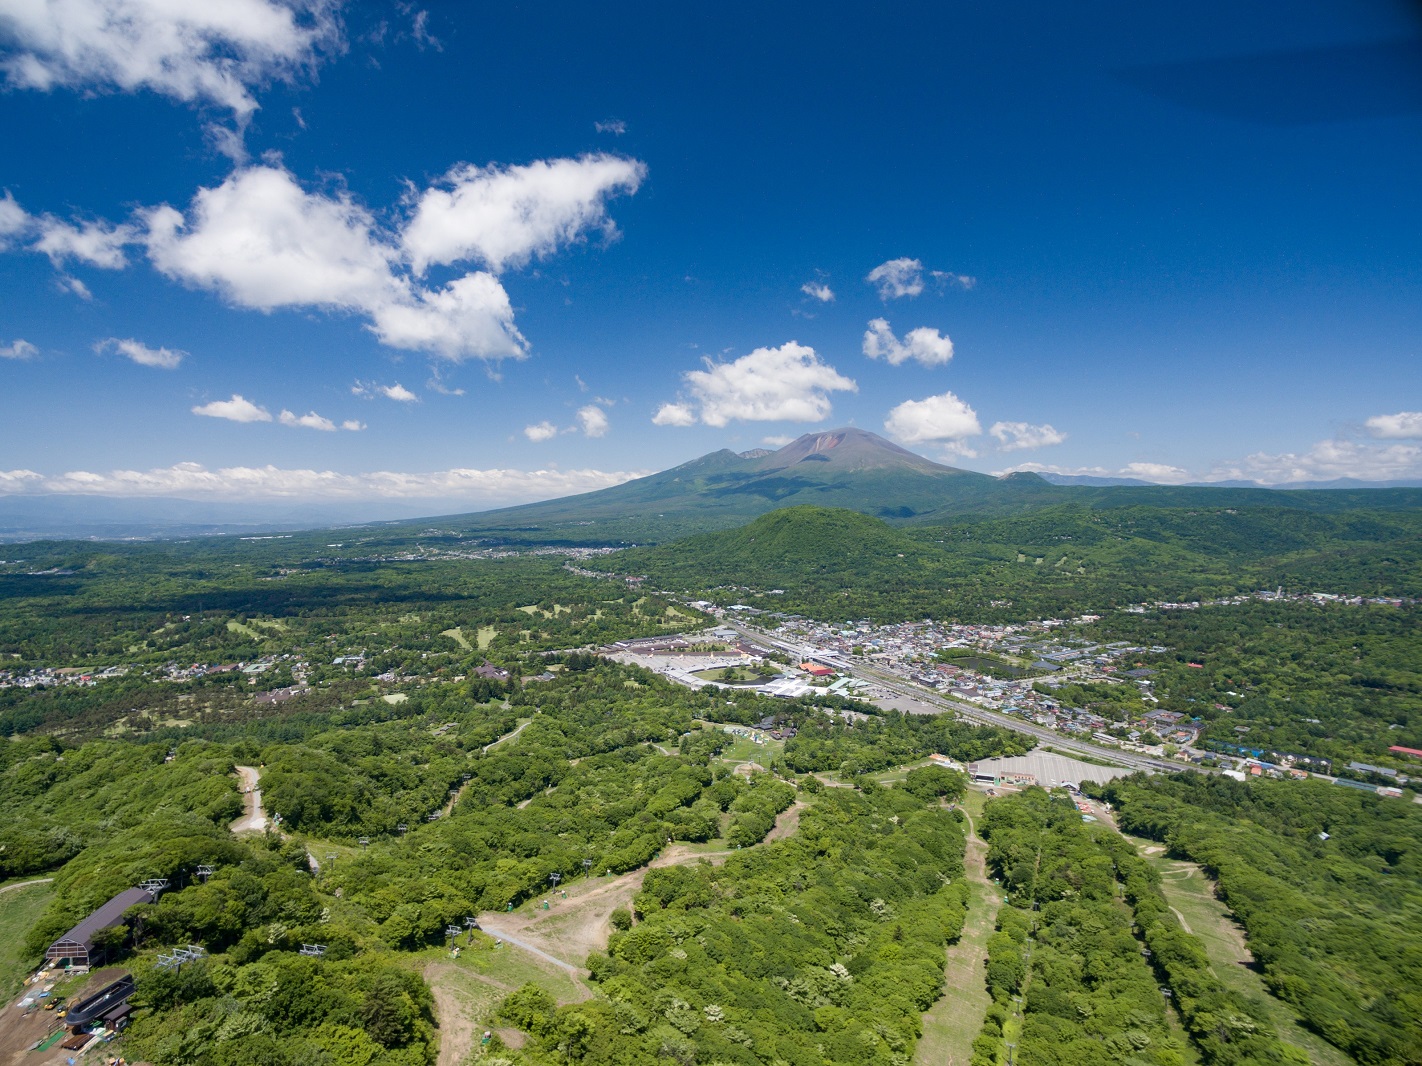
(935, 702)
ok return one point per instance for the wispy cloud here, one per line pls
(818, 290)
(18, 349)
(193, 480)
(140, 353)
(1020, 436)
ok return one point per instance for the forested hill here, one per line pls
(1063, 560)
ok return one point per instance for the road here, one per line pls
(254, 819)
(935, 703)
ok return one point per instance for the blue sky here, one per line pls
(431, 253)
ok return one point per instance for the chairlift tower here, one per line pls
(315, 951)
(155, 885)
(205, 871)
(175, 960)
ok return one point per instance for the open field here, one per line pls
(1191, 895)
(468, 989)
(20, 906)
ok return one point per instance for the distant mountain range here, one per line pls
(861, 471)
(1336, 483)
(844, 468)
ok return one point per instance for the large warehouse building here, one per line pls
(77, 945)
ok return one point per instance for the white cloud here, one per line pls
(592, 420)
(962, 281)
(926, 345)
(503, 216)
(1019, 436)
(785, 384)
(674, 414)
(1157, 473)
(18, 349)
(896, 278)
(819, 291)
(399, 393)
(14, 219)
(540, 432)
(612, 125)
(237, 409)
(396, 392)
(471, 317)
(1405, 425)
(198, 52)
(1325, 461)
(65, 283)
(310, 420)
(937, 418)
(99, 244)
(192, 480)
(161, 358)
(352, 425)
(263, 242)
(779, 440)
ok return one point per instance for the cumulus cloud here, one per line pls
(310, 420)
(540, 432)
(896, 278)
(928, 346)
(943, 418)
(674, 414)
(785, 384)
(1405, 425)
(818, 290)
(18, 349)
(504, 216)
(592, 420)
(263, 242)
(140, 353)
(192, 480)
(199, 53)
(352, 425)
(237, 409)
(1019, 436)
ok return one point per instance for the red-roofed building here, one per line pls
(1406, 751)
(816, 670)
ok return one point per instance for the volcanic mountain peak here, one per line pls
(850, 449)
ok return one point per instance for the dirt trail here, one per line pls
(255, 818)
(575, 927)
(951, 1024)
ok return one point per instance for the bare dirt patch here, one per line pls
(254, 818)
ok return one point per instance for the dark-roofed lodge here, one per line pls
(77, 945)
